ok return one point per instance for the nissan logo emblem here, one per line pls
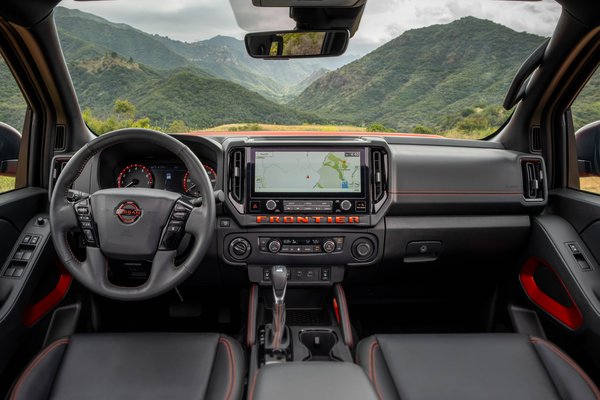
(128, 212)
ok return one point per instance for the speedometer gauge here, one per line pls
(191, 188)
(135, 175)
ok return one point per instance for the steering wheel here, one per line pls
(131, 223)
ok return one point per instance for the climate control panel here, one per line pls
(301, 245)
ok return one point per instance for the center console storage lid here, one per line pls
(312, 380)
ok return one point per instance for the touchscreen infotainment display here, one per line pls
(313, 171)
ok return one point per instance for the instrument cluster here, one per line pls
(171, 176)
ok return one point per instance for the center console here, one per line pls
(316, 208)
(299, 214)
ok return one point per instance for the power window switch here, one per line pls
(27, 255)
(18, 272)
(18, 255)
(9, 272)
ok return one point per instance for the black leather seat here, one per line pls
(135, 366)
(466, 367)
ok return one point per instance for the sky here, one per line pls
(383, 20)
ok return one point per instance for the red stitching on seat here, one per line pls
(36, 361)
(347, 325)
(252, 386)
(569, 361)
(372, 374)
(250, 329)
(231, 366)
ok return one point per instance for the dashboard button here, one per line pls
(346, 205)
(275, 246)
(329, 246)
(271, 205)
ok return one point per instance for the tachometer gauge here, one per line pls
(135, 175)
(191, 188)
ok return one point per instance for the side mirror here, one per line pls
(10, 141)
(297, 44)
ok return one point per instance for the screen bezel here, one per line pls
(302, 195)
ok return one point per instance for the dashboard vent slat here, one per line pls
(378, 175)
(533, 180)
(535, 139)
(60, 138)
(236, 175)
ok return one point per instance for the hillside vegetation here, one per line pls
(440, 78)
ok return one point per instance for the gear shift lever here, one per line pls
(279, 281)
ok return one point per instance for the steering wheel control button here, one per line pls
(89, 235)
(83, 210)
(239, 248)
(180, 215)
(175, 227)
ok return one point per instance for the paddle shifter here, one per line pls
(277, 337)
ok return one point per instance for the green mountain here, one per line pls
(438, 76)
(187, 94)
(85, 35)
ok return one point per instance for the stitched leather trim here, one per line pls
(372, 373)
(36, 361)
(253, 386)
(569, 361)
(225, 342)
(251, 328)
(347, 327)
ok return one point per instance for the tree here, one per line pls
(177, 126)
(124, 108)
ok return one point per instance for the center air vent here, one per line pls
(533, 179)
(236, 175)
(378, 175)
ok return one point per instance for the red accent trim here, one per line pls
(571, 316)
(36, 312)
(336, 310)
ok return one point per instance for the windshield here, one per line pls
(433, 67)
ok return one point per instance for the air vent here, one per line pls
(378, 175)
(535, 139)
(58, 165)
(236, 175)
(533, 180)
(60, 138)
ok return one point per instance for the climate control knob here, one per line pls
(274, 246)
(363, 249)
(328, 246)
(239, 248)
(271, 205)
(345, 205)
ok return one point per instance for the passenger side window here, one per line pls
(12, 116)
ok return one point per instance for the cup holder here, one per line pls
(319, 343)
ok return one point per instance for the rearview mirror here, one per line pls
(10, 141)
(297, 44)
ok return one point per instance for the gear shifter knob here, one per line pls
(279, 280)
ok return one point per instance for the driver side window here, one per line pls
(586, 122)
(12, 115)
